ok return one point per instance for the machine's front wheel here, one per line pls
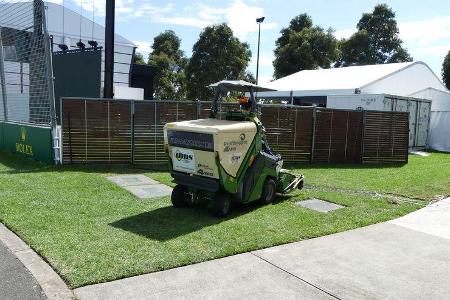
(268, 192)
(178, 195)
(221, 205)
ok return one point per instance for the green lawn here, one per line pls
(91, 230)
(422, 178)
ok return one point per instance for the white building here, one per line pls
(63, 25)
(350, 84)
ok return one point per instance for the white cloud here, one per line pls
(239, 16)
(425, 31)
(262, 80)
(126, 9)
(265, 59)
(344, 34)
(434, 50)
(242, 18)
(143, 47)
(421, 32)
(191, 21)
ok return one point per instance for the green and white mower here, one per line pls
(226, 157)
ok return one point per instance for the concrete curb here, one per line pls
(52, 285)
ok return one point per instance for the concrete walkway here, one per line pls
(407, 258)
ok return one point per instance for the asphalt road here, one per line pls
(16, 282)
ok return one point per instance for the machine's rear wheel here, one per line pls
(178, 196)
(268, 192)
(221, 205)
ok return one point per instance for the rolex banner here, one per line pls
(32, 142)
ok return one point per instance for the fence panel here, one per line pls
(385, 136)
(25, 64)
(146, 135)
(111, 131)
(288, 131)
(120, 132)
(74, 131)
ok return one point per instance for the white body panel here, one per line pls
(232, 140)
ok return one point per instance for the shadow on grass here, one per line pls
(167, 223)
(16, 164)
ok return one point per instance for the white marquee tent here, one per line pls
(411, 79)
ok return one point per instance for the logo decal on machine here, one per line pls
(183, 160)
(180, 155)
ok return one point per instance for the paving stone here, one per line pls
(319, 205)
(150, 190)
(132, 180)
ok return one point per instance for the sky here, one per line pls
(424, 25)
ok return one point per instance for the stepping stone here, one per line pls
(142, 186)
(150, 191)
(319, 205)
(130, 180)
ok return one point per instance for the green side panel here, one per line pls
(77, 74)
(2, 144)
(28, 141)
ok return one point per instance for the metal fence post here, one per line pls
(132, 109)
(199, 109)
(313, 133)
(2, 80)
(109, 132)
(48, 55)
(295, 134)
(85, 132)
(363, 133)
(330, 136)
(346, 137)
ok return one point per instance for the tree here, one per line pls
(217, 55)
(138, 59)
(446, 70)
(375, 42)
(170, 62)
(303, 46)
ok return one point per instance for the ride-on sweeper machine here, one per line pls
(226, 157)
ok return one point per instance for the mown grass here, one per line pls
(91, 230)
(423, 177)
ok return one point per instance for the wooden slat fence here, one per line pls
(131, 132)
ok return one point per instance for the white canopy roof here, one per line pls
(373, 78)
(238, 85)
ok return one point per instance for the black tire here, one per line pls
(220, 206)
(301, 184)
(269, 191)
(178, 196)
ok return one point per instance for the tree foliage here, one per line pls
(217, 55)
(170, 62)
(376, 41)
(138, 59)
(303, 46)
(446, 70)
